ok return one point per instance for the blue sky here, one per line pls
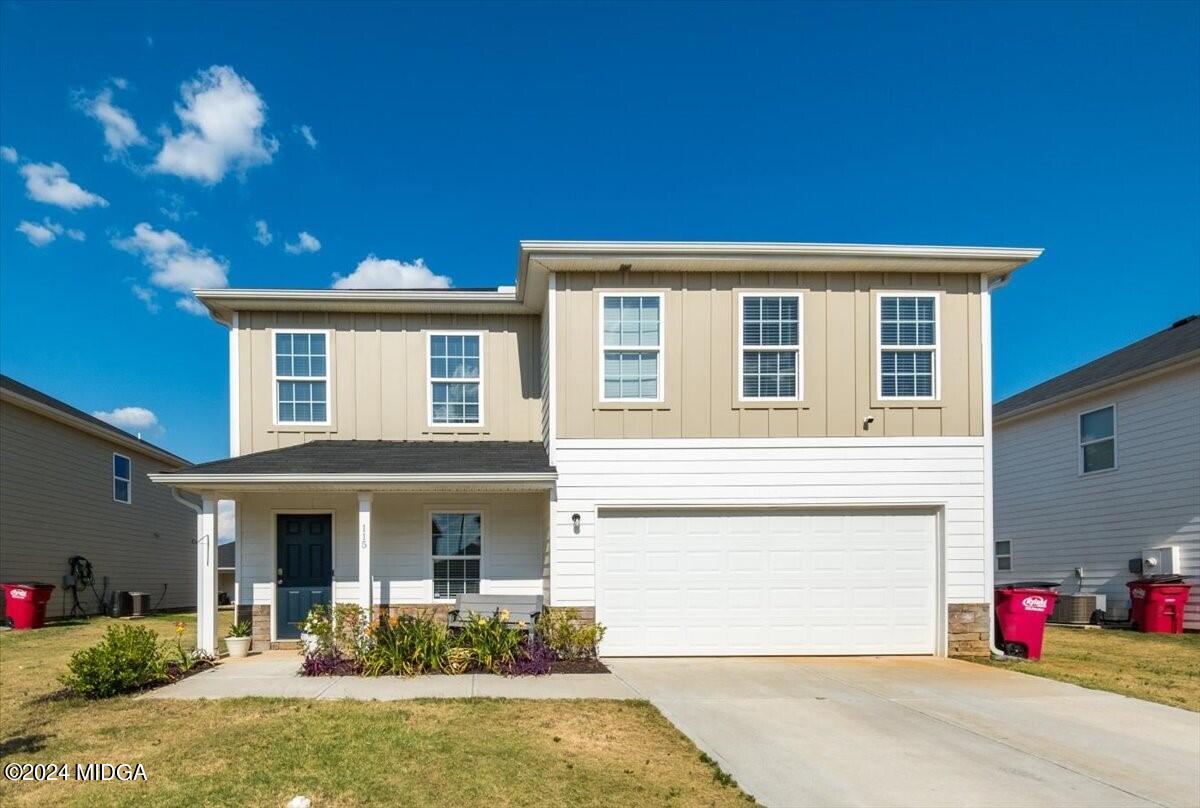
(446, 133)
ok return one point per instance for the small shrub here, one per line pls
(567, 635)
(459, 659)
(493, 641)
(128, 658)
(317, 664)
(407, 645)
(533, 658)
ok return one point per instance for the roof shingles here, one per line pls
(386, 457)
(1176, 342)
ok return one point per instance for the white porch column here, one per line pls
(365, 585)
(206, 575)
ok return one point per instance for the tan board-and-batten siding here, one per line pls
(701, 322)
(379, 377)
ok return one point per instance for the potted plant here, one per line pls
(238, 639)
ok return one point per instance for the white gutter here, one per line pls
(575, 249)
(218, 480)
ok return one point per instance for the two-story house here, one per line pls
(712, 449)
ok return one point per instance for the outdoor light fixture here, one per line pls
(575, 521)
(870, 419)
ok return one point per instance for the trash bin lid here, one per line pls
(1161, 578)
(1030, 585)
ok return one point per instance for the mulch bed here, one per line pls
(578, 666)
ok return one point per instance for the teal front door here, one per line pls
(304, 573)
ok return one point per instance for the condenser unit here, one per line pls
(1074, 609)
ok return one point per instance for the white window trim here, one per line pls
(1080, 442)
(127, 480)
(484, 549)
(327, 378)
(936, 348)
(659, 350)
(429, 380)
(997, 555)
(798, 348)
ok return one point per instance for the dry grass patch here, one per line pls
(1157, 667)
(264, 751)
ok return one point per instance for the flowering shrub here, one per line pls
(493, 641)
(533, 658)
(567, 635)
(407, 645)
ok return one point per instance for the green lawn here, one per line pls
(265, 751)
(1156, 667)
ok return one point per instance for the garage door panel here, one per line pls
(700, 583)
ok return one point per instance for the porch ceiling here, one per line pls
(360, 465)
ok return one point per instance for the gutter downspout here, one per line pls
(987, 286)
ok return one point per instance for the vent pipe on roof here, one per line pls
(1184, 321)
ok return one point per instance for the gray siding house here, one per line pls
(73, 485)
(1100, 466)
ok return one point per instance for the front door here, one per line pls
(304, 572)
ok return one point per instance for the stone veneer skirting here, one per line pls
(968, 629)
(259, 616)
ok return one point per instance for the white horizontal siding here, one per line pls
(1058, 520)
(941, 472)
(513, 543)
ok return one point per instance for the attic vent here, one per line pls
(1184, 321)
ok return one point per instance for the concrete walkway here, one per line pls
(275, 674)
(920, 731)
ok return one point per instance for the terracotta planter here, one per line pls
(238, 646)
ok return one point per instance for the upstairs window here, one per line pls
(1098, 440)
(455, 379)
(631, 348)
(122, 474)
(770, 361)
(302, 377)
(908, 346)
(457, 553)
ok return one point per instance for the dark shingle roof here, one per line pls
(386, 457)
(1179, 340)
(13, 386)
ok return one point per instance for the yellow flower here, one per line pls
(179, 628)
(504, 615)
(521, 624)
(480, 620)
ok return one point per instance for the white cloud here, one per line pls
(176, 264)
(52, 184)
(8, 154)
(120, 130)
(262, 233)
(305, 131)
(40, 235)
(222, 116)
(119, 82)
(138, 420)
(226, 520)
(305, 243)
(174, 207)
(147, 296)
(388, 273)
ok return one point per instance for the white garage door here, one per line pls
(706, 583)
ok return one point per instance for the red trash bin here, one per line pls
(1157, 603)
(25, 604)
(1021, 612)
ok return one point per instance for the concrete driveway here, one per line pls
(919, 731)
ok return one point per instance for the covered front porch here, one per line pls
(325, 523)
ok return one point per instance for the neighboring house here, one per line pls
(1101, 466)
(73, 485)
(226, 591)
(709, 448)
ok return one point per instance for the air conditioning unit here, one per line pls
(1074, 609)
(129, 604)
